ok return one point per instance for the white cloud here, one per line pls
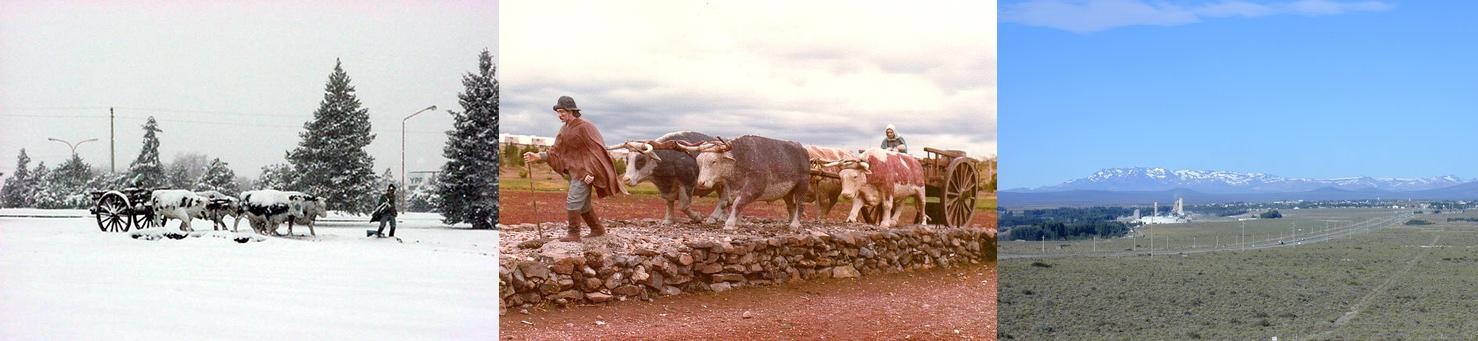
(1099, 15)
(813, 72)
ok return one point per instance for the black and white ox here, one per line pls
(313, 208)
(673, 170)
(884, 178)
(178, 204)
(266, 209)
(218, 206)
(754, 168)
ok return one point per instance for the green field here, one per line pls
(1390, 282)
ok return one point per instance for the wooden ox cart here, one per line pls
(119, 210)
(951, 185)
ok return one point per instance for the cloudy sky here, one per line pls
(1305, 88)
(234, 81)
(815, 72)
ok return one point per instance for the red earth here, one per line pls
(518, 208)
(956, 303)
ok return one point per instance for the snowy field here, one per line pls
(63, 279)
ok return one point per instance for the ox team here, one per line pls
(686, 164)
(265, 210)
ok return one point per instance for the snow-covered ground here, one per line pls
(63, 279)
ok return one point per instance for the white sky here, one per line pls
(235, 81)
(817, 72)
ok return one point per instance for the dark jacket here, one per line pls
(387, 204)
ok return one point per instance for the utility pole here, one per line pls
(1044, 244)
(1242, 238)
(112, 143)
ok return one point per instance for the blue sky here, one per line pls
(1298, 89)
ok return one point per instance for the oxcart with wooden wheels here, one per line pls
(951, 184)
(120, 210)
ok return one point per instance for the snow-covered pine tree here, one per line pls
(426, 197)
(470, 175)
(146, 171)
(275, 176)
(384, 181)
(186, 169)
(177, 177)
(46, 193)
(218, 177)
(71, 179)
(330, 161)
(16, 193)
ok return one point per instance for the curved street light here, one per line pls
(71, 145)
(402, 143)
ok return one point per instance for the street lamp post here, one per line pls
(72, 146)
(402, 143)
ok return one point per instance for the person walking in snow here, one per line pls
(386, 212)
(579, 154)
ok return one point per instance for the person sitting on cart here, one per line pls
(892, 141)
(386, 212)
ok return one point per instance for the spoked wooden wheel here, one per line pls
(961, 184)
(112, 213)
(145, 220)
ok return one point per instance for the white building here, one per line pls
(525, 140)
(1177, 214)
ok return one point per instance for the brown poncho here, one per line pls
(579, 151)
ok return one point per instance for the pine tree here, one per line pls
(275, 176)
(178, 177)
(71, 180)
(15, 193)
(384, 181)
(218, 177)
(146, 171)
(426, 197)
(44, 192)
(186, 169)
(330, 161)
(470, 175)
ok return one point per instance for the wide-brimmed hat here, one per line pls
(566, 103)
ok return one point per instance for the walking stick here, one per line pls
(534, 199)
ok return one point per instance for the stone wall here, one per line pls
(580, 276)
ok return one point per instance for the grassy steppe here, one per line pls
(1396, 282)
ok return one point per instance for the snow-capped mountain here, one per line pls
(1215, 181)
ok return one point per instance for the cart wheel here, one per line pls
(961, 185)
(112, 213)
(145, 220)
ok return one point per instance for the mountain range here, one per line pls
(1215, 181)
(1142, 185)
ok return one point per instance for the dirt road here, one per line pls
(956, 303)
